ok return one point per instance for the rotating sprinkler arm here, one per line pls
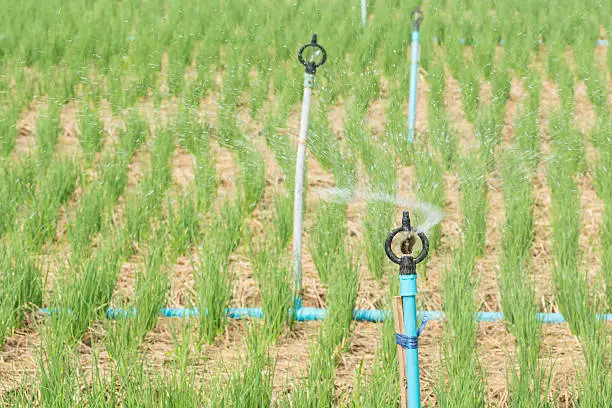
(311, 66)
(407, 263)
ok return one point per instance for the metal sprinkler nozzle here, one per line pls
(407, 244)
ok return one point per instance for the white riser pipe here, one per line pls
(298, 201)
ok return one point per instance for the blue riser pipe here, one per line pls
(312, 313)
(412, 97)
(408, 291)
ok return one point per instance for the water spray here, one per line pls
(417, 18)
(404, 309)
(317, 58)
(431, 215)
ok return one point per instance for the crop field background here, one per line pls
(147, 155)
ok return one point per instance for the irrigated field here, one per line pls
(147, 159)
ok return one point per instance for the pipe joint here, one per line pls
(309, 80)
(408, 285)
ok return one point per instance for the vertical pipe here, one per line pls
(364, 12)
(408, 291)
(414, 70)
(298, 199)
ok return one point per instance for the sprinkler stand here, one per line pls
(416, 17)
(408, 290)
(364, 13)
(298, 203)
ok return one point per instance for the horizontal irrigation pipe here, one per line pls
(600, 42)
(312, 313)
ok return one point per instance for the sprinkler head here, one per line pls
(312, 65)
(417, 18)
(407, 262)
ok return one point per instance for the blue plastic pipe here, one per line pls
(313, 313)
(600, 42)
(414, 71)
(408, 291)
